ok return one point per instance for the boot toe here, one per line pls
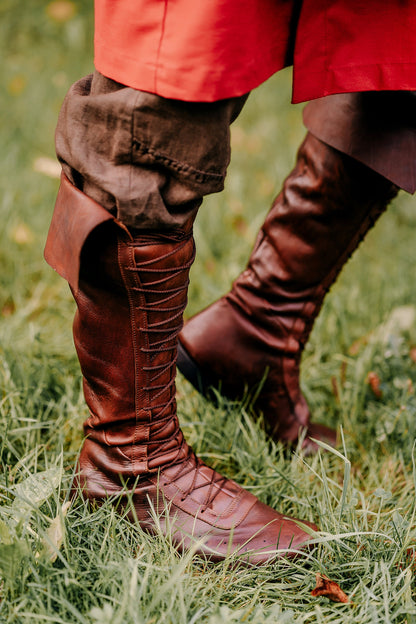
(270, 535)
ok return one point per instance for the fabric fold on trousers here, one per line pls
(146, 159)
(378, 129)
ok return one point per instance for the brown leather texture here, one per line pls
(69, 229)
(130, 300)
(259, 329)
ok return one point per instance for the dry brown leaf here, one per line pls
(8, 308)
(374, 381)
(329, 589)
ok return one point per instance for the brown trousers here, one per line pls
(146, 159)
(150, 160)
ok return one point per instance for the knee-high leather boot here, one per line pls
(131, 289)
(326, 206)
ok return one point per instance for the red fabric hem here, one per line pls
(188, 84)
(309, 85)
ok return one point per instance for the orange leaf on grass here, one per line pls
(329, 589)
(373, 381)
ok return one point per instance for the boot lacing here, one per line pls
(161, 413)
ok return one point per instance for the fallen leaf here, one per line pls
(48, 166)
(55, 532)
(103, 615)
(16, 85)
(8, 308)
(22, 234)
(33, 492)
(61, 10)
(413, 354)
(357, 345)
(329, 589)
(373, 381)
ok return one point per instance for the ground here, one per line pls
(66, 563)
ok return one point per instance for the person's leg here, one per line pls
(121, 235)
(326, 206)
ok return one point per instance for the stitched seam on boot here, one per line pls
(374, 211)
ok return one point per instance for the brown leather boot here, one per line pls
(328, 203)
(130, 296)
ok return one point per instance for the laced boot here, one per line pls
(259, 329)
(130, 297)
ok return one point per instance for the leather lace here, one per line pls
(160, 298)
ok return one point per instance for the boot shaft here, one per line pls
(130, 296)
(327, 204)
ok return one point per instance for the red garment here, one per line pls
(207, 50)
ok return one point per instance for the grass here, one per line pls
(75, 565)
